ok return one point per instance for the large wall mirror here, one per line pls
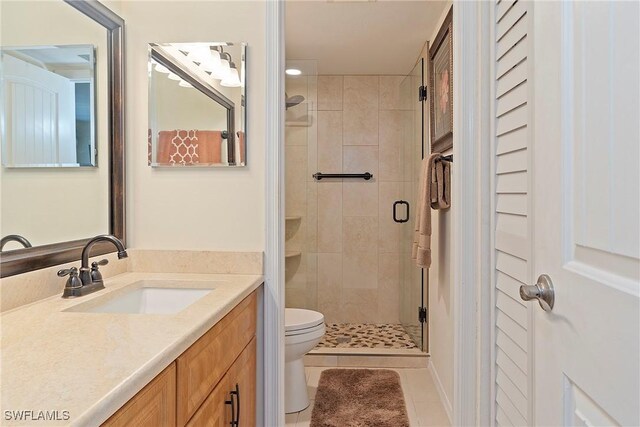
(62, 130)
(197, 104)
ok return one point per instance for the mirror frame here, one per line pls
(29, 259)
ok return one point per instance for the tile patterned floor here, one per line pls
(420, 394)
(414, 331)
(366, 335)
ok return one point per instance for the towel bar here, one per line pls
(448, 158)
(366, 176)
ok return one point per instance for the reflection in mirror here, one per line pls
(49, 117)
(197, 104)
(54, 174)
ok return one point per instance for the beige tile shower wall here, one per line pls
(349, 267)
(301, 197)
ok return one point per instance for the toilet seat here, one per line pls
(310, 335)
(298, 321)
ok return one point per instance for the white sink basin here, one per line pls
(146, 300)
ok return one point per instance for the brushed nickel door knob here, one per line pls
(542, 291)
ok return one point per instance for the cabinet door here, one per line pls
(153, 406)
(215, 411)
(245, 379)
(203, 365)
(237, 386)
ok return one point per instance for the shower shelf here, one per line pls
(304, 122)
(293, 218)
(292, 254)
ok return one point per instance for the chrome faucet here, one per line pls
(14, 238)
(89, 279)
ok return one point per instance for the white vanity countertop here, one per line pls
(90, 364)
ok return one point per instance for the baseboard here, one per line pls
(446, 403)
(366, 360)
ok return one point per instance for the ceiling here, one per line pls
(71, 55)
(360, 37)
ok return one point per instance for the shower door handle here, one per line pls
(395, 211)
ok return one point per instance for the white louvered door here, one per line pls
(566, 86)
(512, 223)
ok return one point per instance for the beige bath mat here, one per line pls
(359, 398)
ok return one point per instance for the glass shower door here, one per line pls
(413, 296)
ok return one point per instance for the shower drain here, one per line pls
(344, 339)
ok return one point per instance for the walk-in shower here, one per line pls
(353, 147)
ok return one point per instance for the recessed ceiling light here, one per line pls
(293, 72)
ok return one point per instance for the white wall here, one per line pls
(440, 281)
(178, 107)
(202, 209)
(43, 204)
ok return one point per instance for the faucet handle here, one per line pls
(73, 271)
(95, 264)
(96, 276)
(73, 286)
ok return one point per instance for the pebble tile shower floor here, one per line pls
(366, 335)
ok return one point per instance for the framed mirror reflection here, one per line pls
(197, 104)
(61, 130)
(49, 106)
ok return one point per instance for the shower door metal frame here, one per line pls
(422, 310)
(424, 345)
(423, 97)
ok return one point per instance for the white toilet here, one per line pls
(303, 331)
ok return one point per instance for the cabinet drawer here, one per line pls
(153, 406)
(203, 365)
(217, 411)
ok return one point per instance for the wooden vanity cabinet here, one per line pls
(203, 365)
(232, 402)
(213, 383)
(153, 406)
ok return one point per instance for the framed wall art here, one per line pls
(441, 82)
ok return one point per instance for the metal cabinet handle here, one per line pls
(395, 208)
(232, 402)
(542, 291)
(238, 397)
